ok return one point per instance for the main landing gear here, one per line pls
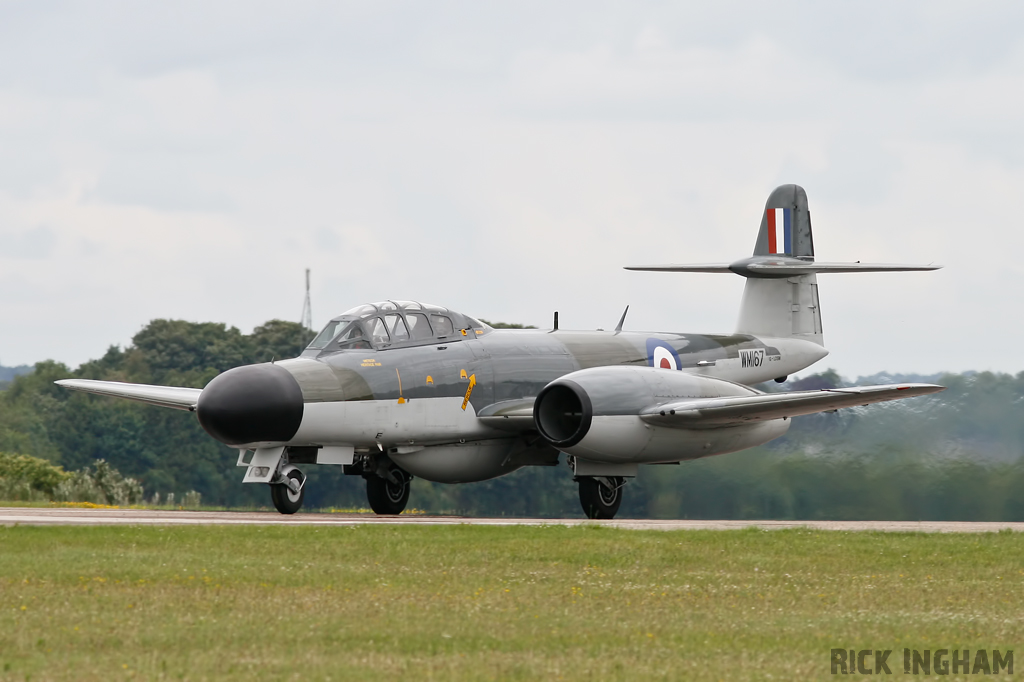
(388, 489)
(600, 496)
(288, 490)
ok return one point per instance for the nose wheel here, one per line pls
(390, 494)
(600, 496)
(289, 490)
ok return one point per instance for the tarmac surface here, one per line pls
(69, 516)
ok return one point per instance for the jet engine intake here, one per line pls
(563, 413)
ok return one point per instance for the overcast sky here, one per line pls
(190, 159)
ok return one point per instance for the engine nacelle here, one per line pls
(594, 414)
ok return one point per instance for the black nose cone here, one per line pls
(251, 404)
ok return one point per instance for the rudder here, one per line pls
(781, 308)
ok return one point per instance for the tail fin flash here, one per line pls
(786, 225)
(780, 298)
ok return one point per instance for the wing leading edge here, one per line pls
(709, 413)
(163, 396)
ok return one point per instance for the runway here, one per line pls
(65, 516)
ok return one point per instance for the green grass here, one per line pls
(479, 603)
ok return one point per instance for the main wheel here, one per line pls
(598, 500)
(286, 501)
(386, 497)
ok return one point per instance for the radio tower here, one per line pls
(307, 308)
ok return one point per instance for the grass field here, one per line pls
(481, 603)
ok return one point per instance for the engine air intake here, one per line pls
(563, 413)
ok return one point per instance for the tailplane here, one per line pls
(780, 298)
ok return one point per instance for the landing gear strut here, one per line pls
(600, 495)
(388, 491)
(288, 490)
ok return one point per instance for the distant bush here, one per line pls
(102, 484)
(26, 478)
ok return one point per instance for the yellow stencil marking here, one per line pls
(430, 380)
(370, 362)
(462, 374)
(469, 391)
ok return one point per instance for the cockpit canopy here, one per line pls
(389, 324)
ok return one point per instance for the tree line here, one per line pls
(953, 455)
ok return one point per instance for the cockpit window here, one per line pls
(418, 327)
(324, 337)
(351, 337)
(397, 328)
(395, 323)
(442, 325)
(359, 311)
(342, 334)
(378, 332)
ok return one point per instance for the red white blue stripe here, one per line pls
(780, 230)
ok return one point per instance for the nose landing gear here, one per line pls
(288, 490)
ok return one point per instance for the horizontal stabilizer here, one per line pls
(772, 268)
(163, 396)
(710, 413)
(691, 267)
(790, 269)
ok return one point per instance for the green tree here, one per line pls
(953, 455)
(508, 325)
(278, 339)
(166, 450)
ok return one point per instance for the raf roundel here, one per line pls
(661, 355)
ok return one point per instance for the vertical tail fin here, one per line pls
(783, 307)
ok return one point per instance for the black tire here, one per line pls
(600, 502)
(285, 501)
(384, 496)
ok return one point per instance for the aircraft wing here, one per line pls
(164, 396)
(708, 413)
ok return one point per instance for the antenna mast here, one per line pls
(307, 308)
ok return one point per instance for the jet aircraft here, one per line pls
(397, 389)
